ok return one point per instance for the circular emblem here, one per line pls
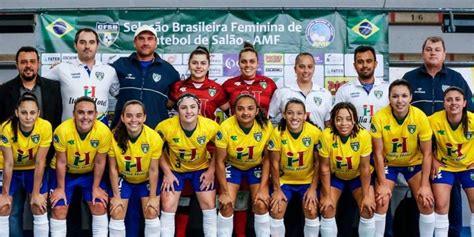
(320, 33)
(60, 27)
(365, 28)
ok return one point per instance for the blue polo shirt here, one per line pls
(428, 92)
(149, 85)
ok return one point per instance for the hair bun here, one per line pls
(248, 45)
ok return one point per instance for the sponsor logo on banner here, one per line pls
(216, 58)
(334, 70)
(273, 58)
(231, 64)
(320, 33)
(109, 58)
(365, 29)
(273, 70)
(215, 71)
(290, 58)
(108, 32)
(50, 58)
(59, 28)
(173, 58)
(68, 57)
(333, 58)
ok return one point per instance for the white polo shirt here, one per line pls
(318, 103)
(365, 103)
(75, 82)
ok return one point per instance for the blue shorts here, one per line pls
(73, 181)
(352, 183)
(290, 189)
(193, 177)
(137, 190)
(25, 179)
(466, 178)
(391, 173)
(235, 175)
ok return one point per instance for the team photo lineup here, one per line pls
(279, 143)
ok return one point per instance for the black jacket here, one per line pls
(50, 97)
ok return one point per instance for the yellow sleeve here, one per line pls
(376, 126)
(5, 140)
(274, 144)
(366, 145)
(59, 139)
(105, 142)
(221, 138)
(157, 147)
(425, 133)
(268, 132)
(111, 152)
(161, 129)
(46, 135)
(324, 150)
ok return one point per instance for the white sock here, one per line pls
(441, 225)
(100, 225)
(117, 228)
(472, 224)
(225, 225)
(153, 226)
(328, 227)
(311, 227)
(262, 225)
(367, 226)
(167, 223)
(41, 225)
(277, 227)
(209, 222)
(4, 226)
(427, 225)
(379, 224)
(58, 228)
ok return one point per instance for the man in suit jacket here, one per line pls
(49, 98)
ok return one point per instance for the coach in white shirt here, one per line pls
(85, 76)
(317, 99)
(367, 93)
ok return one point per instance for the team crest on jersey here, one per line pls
(35, 138)
(411, 128)
(468, 135)
(257, 136)
(99, 75)
(212, 92)
(95, 143)
(145, 148)
(373, 128)
(108, 32)
(271, 144)
(317, 100)
(201, 140)
(306, 141)
(263, 84)
(4, 139)
(156, 77)
(355, 146)
(378, 94)
(219, 135)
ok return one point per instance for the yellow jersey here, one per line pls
(81, 152)
(24, 148)
(453, 146)
(187, 153)
(134, 164)
(296, 154)
(401, 140)
(244, 151)
(344, 158)
(1, 149)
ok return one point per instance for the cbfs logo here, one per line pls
(295, 158)
(133, 162)
(108, 32)
(320, 33)
(241, 154)
(22, 155)
(399, 143)
(78, 160)
(89, 91)
(340, 163)
(184, 155)
(454, 150)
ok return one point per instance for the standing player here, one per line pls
(81, 145)
(317, 99)
(260, 87)
(241, 153)
(345, 161)
(85, 76)
(211, 94)
(367, 93)
(187, 158)
(26, 139)
(402, 144)
(133, 168)
(294, 168)
(453, 129)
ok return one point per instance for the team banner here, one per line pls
(278, 36)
